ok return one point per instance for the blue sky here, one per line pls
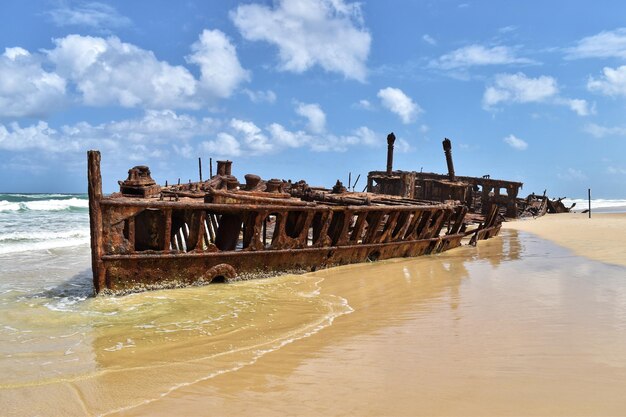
(308, 89)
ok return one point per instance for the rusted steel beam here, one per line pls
(94, 189)
(219, 228)
(391, 138)
(447, 148)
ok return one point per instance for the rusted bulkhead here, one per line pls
(219, 229)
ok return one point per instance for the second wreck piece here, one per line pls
(148, 236)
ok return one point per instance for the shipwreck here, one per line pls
(150, 236)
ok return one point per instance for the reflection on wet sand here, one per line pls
(514, 326)
(520, 328)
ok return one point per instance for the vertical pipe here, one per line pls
(447, 149)
(210, 168)
(167, 234)
(589, 196)
(200, 168)
(391, 138)
(94, 180)
(349, 180)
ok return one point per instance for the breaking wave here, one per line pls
(45, 205)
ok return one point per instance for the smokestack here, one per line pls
(224, 167)
(447, 149)
(391, 138)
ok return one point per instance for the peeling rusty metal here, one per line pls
(478, 194)
(147, 236)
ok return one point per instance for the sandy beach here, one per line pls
(517, 326)
(529, 323)
(601, 237)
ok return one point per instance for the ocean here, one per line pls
(204, 350)
(32, 222)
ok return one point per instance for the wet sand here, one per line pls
(517, 326)
(601, 237)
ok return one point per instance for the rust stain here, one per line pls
(149, 236)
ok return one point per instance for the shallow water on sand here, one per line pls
(515, 326)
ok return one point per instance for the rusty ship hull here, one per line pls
(148, 236)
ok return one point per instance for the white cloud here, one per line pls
(315, 116)
(220, 68)
(516, 143)
(109, 71)
(26, 89)
(252, 135)
(518, 88)
(474, 55)
(159, 126)
(579, 106)
(37, 136)
(399, 103)
(607, 44)
(287, 138)
(364, 104)
(429, 39)
(603, 131)
(260, 96)
(224, 145)
(92, 14)
(327, 142)
(327, 33)
(159, 133)
(152, 133)
(612, 83)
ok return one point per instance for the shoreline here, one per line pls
(601, 237)
(511, 327)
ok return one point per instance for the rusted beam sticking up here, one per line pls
(391, 138)
(447, 149)
(94, 179)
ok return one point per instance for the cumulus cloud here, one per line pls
(91, 14)
(224, 145)
(109, 71)
(363, 104)
(37, 136)
(220, 68)
(26, 89)
(518, 88)
(399, 103)
(287, 138)
(315, 116)
(158, 126)
(516, 143)
(307, 33)
(579, 106)
(327, 142)
(607, 44)
(475, 55)
(611, 83)
(252, 135)
(97, 71)
(131, 139)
